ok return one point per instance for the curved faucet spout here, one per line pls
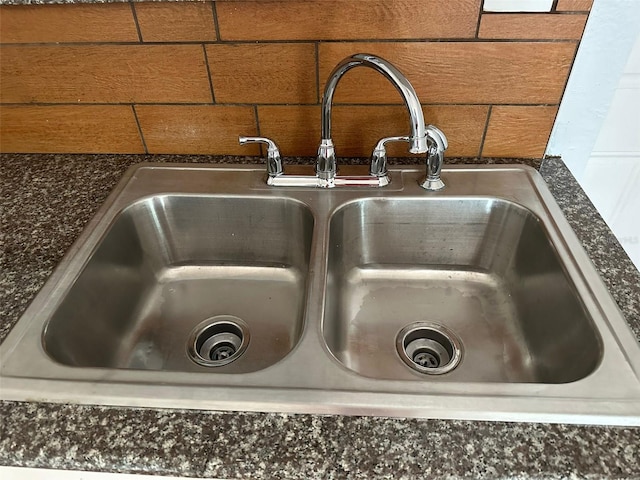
(418, 139)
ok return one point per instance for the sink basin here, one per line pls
(482, 267)
(201, 287)
(169, 263)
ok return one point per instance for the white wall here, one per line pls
(597, 131)
(609, 36)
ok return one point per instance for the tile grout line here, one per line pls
(255, 113)
(536, 14)
(247, 104)
(317, 50)
(135, 115)
(486, 129)
(259, 134)
(479, 20)
(310, 41)
(216, 23)
(135, 20)
(206, 64)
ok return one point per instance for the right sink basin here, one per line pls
(410, 280)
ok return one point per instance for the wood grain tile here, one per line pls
(111, 22)
(519, 132)
(199, 129)
(574, 5)
(263, 73)
(462, 124)
(456, 72)
(104, 74)
(175, 22)
(532, 26)
(295, 128)
(356, 129)
(337, 19)
(69, 129)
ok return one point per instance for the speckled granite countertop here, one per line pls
(45, 200)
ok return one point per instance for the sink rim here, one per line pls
(620, 405)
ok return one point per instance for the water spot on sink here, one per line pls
(146, 355)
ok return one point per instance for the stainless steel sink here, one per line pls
(169, 263)
(484, 268)
(201, 287)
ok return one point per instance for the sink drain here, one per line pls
(429, 348)
(218, 341)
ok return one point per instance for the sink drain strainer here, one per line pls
(218, 341)
(429, 348)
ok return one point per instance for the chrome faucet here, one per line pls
(423, 138)
(326, 162)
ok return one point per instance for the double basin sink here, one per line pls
(202, 287)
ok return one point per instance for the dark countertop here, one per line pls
(45, 201)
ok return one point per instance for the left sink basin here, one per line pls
(169, 263)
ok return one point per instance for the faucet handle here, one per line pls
(378, 166)
(274, 160)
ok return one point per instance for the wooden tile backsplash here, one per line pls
(109, 73)
(189, 77)
(175, 22)
(347, 20)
